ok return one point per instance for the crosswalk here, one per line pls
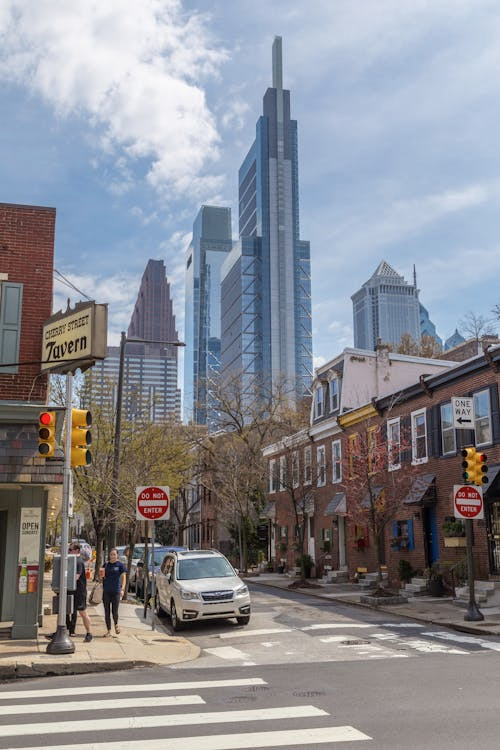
(333, 641)
(53, 719)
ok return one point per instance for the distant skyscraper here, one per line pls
(455, 339)
(427, 327)
(386, 307)
(210, 245)
(266, 284)
(150, 374)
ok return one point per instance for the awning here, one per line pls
(493, 472)
(269, 511)
(419, 489)
(337, 506)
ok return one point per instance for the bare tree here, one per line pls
(476, 326)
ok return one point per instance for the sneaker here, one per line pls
(50, 636)
(87, 638)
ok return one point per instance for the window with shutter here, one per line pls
(11, 295)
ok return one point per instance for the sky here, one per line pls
(128, 115)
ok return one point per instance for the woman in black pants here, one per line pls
(113, 589)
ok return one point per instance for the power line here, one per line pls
(69, 283)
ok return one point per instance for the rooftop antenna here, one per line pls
(277, 63)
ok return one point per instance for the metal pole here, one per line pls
(472, 614)
(152, 576)
(116, 447)
(62, 643)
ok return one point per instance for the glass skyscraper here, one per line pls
(266, 282)
(150, 373)
(385, 308)
(209, 247)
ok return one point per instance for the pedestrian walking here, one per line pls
(79, 596)
(113, 575)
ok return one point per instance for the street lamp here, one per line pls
(118, 424)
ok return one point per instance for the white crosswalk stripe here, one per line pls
(281, 728)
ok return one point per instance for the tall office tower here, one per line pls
(386, 307)
(150, 377)
(209, 247)
(427, 327)
(266, 284)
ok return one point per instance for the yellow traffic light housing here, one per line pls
(481, 469)
(81, 438)
(469, 464)
(47, 433)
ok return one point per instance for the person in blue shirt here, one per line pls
(113, 589)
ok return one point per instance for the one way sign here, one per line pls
(463, 413)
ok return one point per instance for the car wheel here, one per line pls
(174, 619)
(158, 608)
(244, 620)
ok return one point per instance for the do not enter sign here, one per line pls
(152, 503)
(468, 501)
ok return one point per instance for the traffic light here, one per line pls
(47, 433)
(481, 469)
(469, 464)
(81, 420)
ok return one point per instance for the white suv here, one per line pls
(200, 585)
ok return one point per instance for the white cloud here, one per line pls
(134, 69)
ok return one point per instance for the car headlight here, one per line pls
(189, 594)
(241, 591)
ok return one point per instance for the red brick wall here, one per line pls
(27, 257)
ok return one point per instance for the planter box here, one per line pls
(455, 541)
(381, 601)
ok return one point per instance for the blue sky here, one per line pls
(128, 122)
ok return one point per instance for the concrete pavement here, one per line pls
(137, 645)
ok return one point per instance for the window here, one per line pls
(295, 469)
(283, 473)
(402, 535)
(353, 444)
(418, 437)
(321, 466)
(284, 532)
(318, 402)
(326, 535)
(482, 417)
(394, 443)
(448, 435)
(274, 484)
(371, 439)
(336, 461)
(334, 394)
(11, 296)
(307, 465)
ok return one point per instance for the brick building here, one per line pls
(409, 430)
(28, 483)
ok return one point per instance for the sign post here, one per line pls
(152, 504)
(468, 504)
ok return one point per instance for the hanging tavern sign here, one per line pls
(75, 339)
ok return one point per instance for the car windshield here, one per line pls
(216, 567)
(159, 555)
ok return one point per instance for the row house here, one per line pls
(372, 478)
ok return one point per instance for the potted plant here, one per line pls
(405, 571)
(307, 563)
(434, 577)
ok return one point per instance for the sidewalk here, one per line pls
(436, 611)
(137, 645)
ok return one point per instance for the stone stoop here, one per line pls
(486, 592)
(335, 576)
(416, 587)
(369, 580)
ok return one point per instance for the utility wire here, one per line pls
(64, 280)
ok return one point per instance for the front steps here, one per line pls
(485, 592)
(416, 587)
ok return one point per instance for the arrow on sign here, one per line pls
(461, 420)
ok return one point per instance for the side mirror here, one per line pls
(140, 564)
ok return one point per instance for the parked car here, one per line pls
(137, 555)
(160, 553)
(200, 585)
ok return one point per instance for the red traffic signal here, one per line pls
(47, 433)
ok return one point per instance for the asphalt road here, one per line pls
(326, 676)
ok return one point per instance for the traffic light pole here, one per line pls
(472, 614)
(61, 643)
